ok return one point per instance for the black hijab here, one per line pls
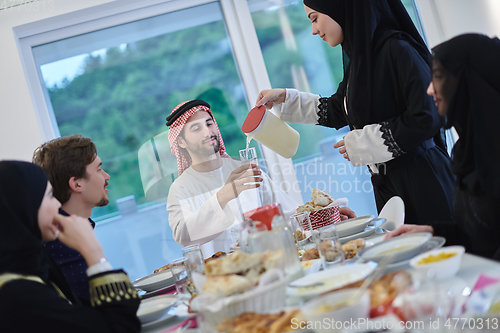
(22, 188)
(474, 109)
(367, 25)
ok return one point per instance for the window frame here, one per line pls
(241, 31)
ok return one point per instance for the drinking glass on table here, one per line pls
(300, 223)
(329, 247)
(194, 258)
(249, 156)
(182, 275)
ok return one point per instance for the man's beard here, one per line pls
(103, 202)
(210, 151)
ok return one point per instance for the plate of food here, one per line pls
(155, 281)
(353, 226)
(260, 322)
(350, 250)
(330, 279)
(401, 247)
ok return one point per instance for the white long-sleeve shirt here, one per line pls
(364, 146)
(196, 216)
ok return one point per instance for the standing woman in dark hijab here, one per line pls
(466, 88)
(395, 128)
(34, 296)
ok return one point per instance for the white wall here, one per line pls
(19, 132)
(444, 19)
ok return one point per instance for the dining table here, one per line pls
(476, 283)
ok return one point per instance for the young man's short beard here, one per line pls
(103, 202)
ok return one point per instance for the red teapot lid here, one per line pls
(253, 119)
(264, 214)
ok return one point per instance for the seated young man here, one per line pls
(79, 182)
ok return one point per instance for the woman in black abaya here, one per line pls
(34, 296)
(395, 128)
(466, 88)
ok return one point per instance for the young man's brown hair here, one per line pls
(63, 158)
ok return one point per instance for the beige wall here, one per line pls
(19, 131)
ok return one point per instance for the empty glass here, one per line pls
(328, 245)
(194, 258)
(300, 223)
(183, 283)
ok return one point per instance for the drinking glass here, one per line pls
(182, 275)
(194, 258)
(300, 223)
(248, 155)
(329, 247)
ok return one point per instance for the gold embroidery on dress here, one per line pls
(111, 287)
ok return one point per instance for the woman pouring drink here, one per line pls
(395, 128)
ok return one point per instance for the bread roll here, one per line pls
(236, 263)
(321, 198)
(227, 284)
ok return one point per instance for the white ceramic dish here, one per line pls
(369, 230)
(394, 212)
(445, 268)
(360, 309)
(353, 226)
(401, 247)
(311, 266)
(435, 242)
(173, 317)
(153, 308)
(155, 281)
(332, 278)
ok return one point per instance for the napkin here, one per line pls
(338, 202)
(484, 281)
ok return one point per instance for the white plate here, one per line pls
(394, 212)
(401, 247)
(433, 243)
(353, 226)
(370, 229)
(334, 278)
(173, 317)
(155, 281)
(153, 308)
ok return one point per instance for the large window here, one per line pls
(131, 76)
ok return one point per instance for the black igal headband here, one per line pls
(185, 107)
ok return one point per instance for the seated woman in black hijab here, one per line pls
(466, 88)
(34, 296)
(395, 128)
